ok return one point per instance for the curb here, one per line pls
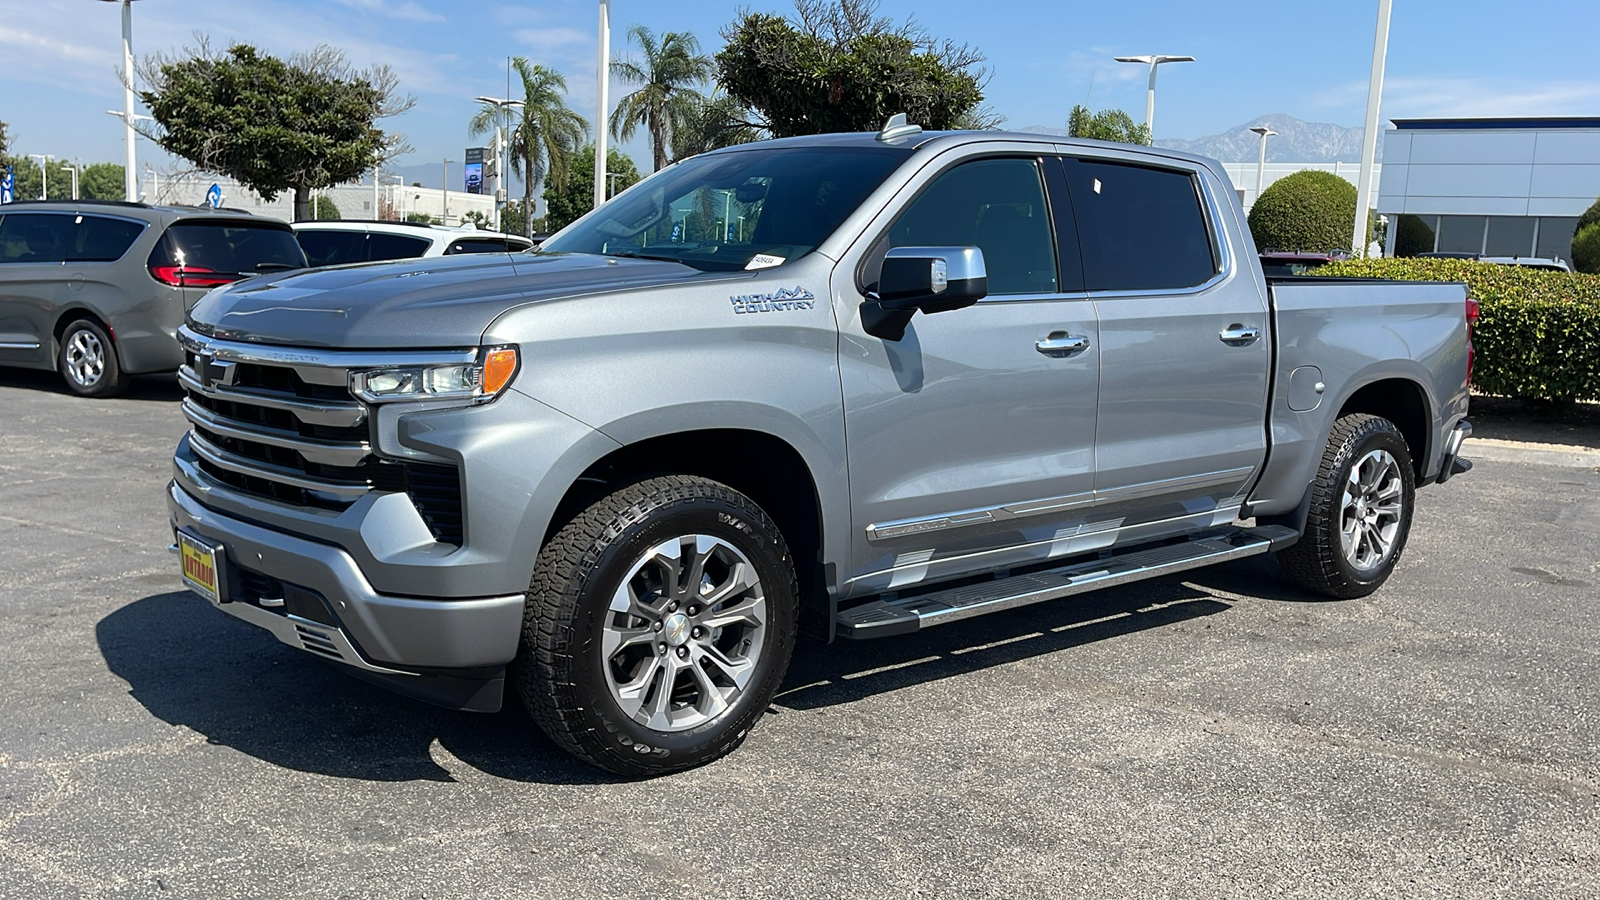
(1563, 455)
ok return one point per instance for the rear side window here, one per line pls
(395, 246)
(477, 245)
(1141, 228)
(36, 237)
(996, 205)
(333, 248)
(102, 239)
(228, 248)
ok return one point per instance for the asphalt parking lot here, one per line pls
(1219, 735)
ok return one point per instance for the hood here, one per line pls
(415, 303)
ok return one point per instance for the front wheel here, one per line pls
(1360, 515)
(658, 627)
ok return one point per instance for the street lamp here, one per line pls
(445, 203)
(1261, 164)
(603, 82)
(44, 174)
(501, 146)
(1150, 95)
(74, 169)
(1369, 138)
(130, 175)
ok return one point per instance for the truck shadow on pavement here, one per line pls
(192, 666)
(162, 387)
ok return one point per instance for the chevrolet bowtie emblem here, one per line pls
(215, 374)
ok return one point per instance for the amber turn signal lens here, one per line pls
(498, 367)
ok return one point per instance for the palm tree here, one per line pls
(667, 98)
(545, 135)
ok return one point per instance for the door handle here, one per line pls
(1060, 343)
(1239, 335)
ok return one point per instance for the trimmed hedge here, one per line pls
(1309, 210)
(1539, 332)
(1586, 249)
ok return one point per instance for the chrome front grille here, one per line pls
(293, 433)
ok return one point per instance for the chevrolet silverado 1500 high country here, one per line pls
(866, 383)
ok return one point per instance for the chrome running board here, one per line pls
(903, 615)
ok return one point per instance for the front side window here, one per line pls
(1141, 228)
(36, 237)
(735, 210)
(996, 205)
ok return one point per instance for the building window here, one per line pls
(1414, 235)
(1510, 236)
(1555, 238)
(1461, 234)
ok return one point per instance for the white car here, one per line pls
(338, 241)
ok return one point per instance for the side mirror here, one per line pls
(926, 279)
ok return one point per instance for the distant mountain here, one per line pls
(1296, 141)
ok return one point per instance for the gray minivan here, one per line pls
(96, 289)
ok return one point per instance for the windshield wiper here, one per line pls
(630, 254)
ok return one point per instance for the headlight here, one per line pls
(477, 381)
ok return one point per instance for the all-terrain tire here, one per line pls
(562, 670)
(1323, 560)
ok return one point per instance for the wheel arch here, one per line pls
(1405, 402)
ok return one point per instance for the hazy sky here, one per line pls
(58, 58)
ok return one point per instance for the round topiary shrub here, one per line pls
(1591, 216)
(1308, 210)
(1586, 249)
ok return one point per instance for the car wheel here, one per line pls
(1360, 514)
(87, 361)
(659, 624)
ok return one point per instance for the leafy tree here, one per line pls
(839, 66)
(1590, 216)
(422, 218)
(1108, 125)
(666, 99)
(275, 125)
(1586, 249)
(545, 135)
(5, 139)
(323, 208)
(1309, 210)
(719, 121)
(26, 172)
(102, 181)
(565, 201)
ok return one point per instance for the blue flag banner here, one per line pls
(7, 184)
(214, 196)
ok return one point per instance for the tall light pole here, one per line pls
(1150, 94)
(1261, 164)
(503, 164)
(1369, 138)
(44, 174)
(73, 168)
(603, 83)
(445, 203)
(130, 175)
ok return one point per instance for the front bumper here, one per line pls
(407, 643)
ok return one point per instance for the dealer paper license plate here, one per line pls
(199, 566)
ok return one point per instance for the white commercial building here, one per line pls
(354, 201)
(1496, 187)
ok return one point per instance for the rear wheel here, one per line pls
(1360, 515)
(87, 361)
(658, 627)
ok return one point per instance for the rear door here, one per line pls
(971, 447)
(33, 282)
(1184, 345)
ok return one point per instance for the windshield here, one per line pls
(728, 211)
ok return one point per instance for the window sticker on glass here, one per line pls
(764, 261)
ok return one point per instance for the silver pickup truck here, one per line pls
(855, 385)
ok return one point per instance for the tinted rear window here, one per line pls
(1141, 228)
(395, 246)
(242, 248)
(35, 237)
(332, 248)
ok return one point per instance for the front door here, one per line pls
(33, 282)
(971, 440)
(1185, 351)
